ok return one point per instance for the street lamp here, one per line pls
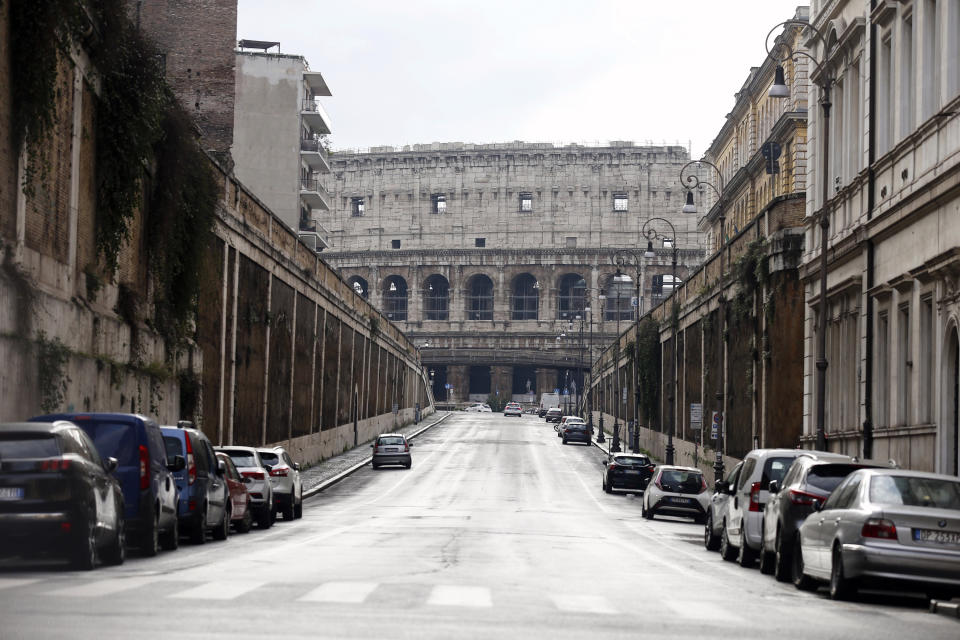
(823, 78)
(692, 182)
(617, 289)
(623, 258)
(601, 438)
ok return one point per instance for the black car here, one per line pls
(630, 472)
(58, 496)
(810, 479)
(576, 432)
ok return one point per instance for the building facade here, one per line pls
(278, 147)
(498, 260)
(893, 208)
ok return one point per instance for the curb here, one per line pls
(329, 482)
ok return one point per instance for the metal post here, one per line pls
(721, 312)
(824, 238)
(671, 396)
(635, 445)
(601, 438)
(615, 445)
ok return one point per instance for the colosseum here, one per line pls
(510, 265)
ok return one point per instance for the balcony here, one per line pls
(313, 234)
(313, 194)
(313, 153)
(314, 115)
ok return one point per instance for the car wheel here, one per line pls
(243, 526)
(288, 509)
(171, 539)
(85, 555)
(375, 465)
(116, 553)
(727, 551)
(223, 529)
(298, 509)
(150, 542)
(745, 555)
(767, 558)
(606, 487)
(800, 580)
(265, 519)
(564, 441)
(841, 587)
(409, 465)
(711, 541)
(782, 569)
(198, 534)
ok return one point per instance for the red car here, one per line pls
(241, 516)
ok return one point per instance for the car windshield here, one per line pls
(915, 492)
(679, 481)
(827, 477)
(629, 461)
(242, 458)
(173, 445)
(28, 445)
(392, 440)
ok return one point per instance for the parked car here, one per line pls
(252, 467)
(204, 504)
(241, 515)
(809, 480)
(513, 409)
(576, 432)
(479, 407)
(740, 526)
(553, 415)
(542, 412)
(718, 509)
(391, 448)
(675, 491)
(57, 494)
(627, 471)
(884, 527)
(285, 478)
(564, 420)
(145, 475)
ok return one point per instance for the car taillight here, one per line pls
(144, 468)
(613, 466)
(755, 496)
(879, 528)
(703, 485)
(191, 464)
(406, 446)
(279, 471)
(802, 498)
(256, 475)
(659, 486)
(55, 464)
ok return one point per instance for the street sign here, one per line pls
(556, 390)
(624, 394)
(716, 426)
(566, 392)
(448, 386)
(696, 416)
(634, 301)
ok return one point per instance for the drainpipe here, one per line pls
(871, 199)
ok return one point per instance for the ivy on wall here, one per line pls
(648, 369)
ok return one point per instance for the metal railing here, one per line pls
(313, 145)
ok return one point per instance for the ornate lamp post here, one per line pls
(691, 181)
(823, 78)
(601, 438)
(616, 285)
(623, 258)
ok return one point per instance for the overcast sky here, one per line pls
(420, 71)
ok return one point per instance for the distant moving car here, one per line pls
(241, 517)
(391, 448)
(251, 466)
(676, 491)
(553, 415)
(884, 527)
(58, 495)
(627, 471)
(479, 407)
(203, 490)
(810, 479)
(145, 474)
(285, 478)
(513, 409)
(564, 421)
(576, 432)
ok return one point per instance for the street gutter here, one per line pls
(343, 474)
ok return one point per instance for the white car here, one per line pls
(564, 421)
(285, 480)
(676, 491)
(480, 407)
(250, 465)
(513, 409)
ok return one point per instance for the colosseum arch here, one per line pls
(395, 298)
(436, 298)
(479, 298)
(525, 298)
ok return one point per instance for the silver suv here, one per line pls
(285, 480)
(250, 465)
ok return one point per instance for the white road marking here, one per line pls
(342, 592)
(703, 611)
(584, 604)
(218, 590)
(447, 595)
(8, 583)
(104, 587)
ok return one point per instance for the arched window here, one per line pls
(480, 298)
(526, 295)
(619, 292)
(395, 298)
(360, 286)
(572, 300)
(436, 298)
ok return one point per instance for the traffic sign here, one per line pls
(556, 390)
(716, 426)
(696, 416)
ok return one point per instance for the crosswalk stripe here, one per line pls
(103, 587)
(583, 604)
(447, 595)
(218, 590)
(341, 592)
(8, 583)
(702, 611)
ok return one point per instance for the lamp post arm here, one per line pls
(693, 180)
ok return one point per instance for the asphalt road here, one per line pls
(498, 531)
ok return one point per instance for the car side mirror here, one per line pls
(817, 505)
(247, 480)
(409, 444)
(371, 445)
(178, 464)
(110, 465)
(774, 487)
(296, 466)
(222, 467)
(268, 468)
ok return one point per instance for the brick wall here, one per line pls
(8, 154)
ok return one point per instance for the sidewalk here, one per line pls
(328, 472)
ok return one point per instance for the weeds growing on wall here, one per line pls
(52, 378)
(648, 370)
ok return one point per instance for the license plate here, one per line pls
(631, 472)
(936, 537)
(11, 493)
(680, 500)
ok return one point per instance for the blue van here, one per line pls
(146, 477)
(204, 494)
